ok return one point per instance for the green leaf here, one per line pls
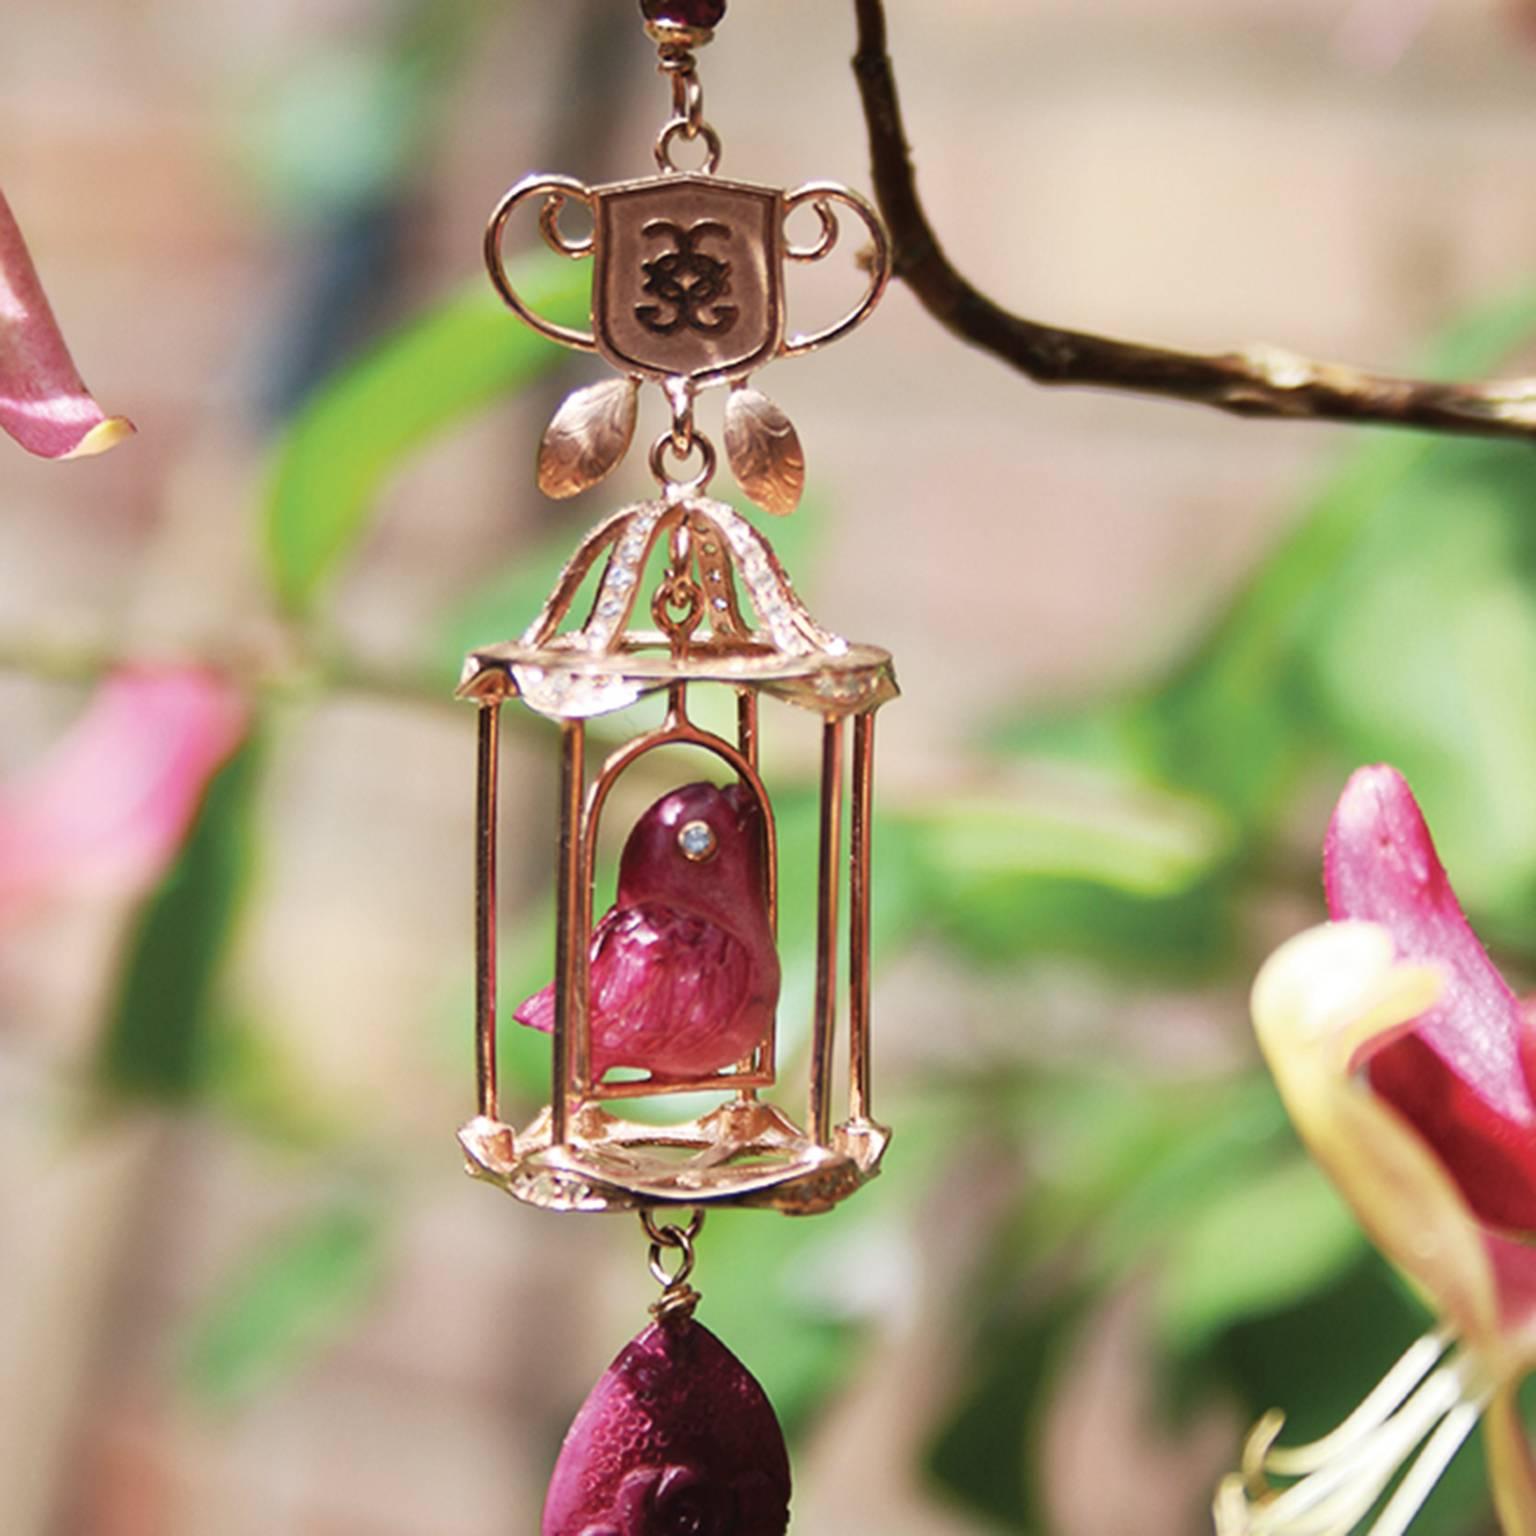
(1235, 722)
(156, 1044)
(985, 1452)
(1154, 846)
(1122, 1164)
(1134, 878)
(1263, 1245)
(1428, 660)
(343, 120)
(285, 1301)
(1213, 1138)
(359, 428)
(251, 1080)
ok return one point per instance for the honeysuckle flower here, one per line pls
(44, 404)
(1402, 1056)
(108, 807)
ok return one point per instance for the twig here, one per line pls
(1258, 381)
(83, 660)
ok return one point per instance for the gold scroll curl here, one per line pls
(823, 196)
(556, 191)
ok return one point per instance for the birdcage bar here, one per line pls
(859, 896)
(824, 1033)
(487, 779)
(746, 724)
(569, 1045)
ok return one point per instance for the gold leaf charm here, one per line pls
(764, 451)
(588, 438)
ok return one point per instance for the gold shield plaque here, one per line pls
(688, 281)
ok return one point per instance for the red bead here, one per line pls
(685, 13)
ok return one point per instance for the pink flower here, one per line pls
(43, 403)
(1401, 1055)
(107, 809)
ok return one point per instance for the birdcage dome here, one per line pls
(569, 672)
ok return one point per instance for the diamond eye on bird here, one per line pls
(684, 975)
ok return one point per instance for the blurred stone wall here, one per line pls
(1200, 172)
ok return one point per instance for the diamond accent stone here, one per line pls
(622, 575)
(697, 840)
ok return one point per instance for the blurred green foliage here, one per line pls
(309, 1279)
(336, 456)
(342, 124)
(1132, 835)
(167, 1003)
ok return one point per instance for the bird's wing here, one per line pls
(626, 949)
(538, 1011)
(664, 983)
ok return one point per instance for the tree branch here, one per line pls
(1258, 381)
(85, 659)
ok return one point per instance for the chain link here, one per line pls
(678, 1299)
(687, 120)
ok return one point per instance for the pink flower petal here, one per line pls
(1458, 1079)
(1514, 1278)
(108, 807)
(43, 403)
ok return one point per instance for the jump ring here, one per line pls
(659, 1268)
(684, 127)
(668, 1234)
(665, 445)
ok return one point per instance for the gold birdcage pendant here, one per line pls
(581, 1153)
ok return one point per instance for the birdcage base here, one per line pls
(743, 1153)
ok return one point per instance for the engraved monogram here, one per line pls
(687, 282)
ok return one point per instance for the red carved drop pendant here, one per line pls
(676, 1439)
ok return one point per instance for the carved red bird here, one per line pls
(684, 973)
